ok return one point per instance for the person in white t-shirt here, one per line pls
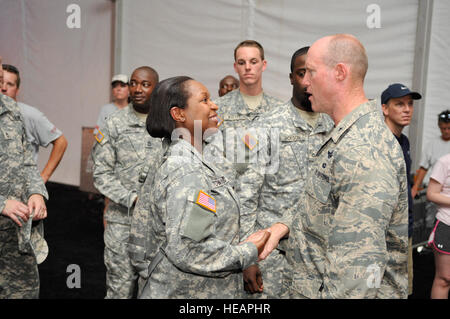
(438, 192)
(39, 130)
(434, 149)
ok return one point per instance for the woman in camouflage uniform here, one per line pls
(194, 211)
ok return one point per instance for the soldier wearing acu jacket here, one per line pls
(121, 162)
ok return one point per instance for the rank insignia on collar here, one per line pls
(99, 136)
(250, 141)
(206, 201)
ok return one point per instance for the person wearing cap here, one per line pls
(123, 154)
(22, 193)
(228, 84)
(397, 103)
(40, 131)
(120, 93)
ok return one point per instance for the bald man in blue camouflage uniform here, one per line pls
(122, 157)
(349, 234)
(22, 194)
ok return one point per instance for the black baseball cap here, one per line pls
(398, 90)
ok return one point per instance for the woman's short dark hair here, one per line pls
(167, 94)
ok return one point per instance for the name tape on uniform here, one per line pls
(206, 201)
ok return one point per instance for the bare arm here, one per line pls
(419, 179)
(59, 147)
(434, 193)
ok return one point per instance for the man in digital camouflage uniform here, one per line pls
(265, 195)
(22, 193)
(240, 108)
(348, 237)
(120, 167)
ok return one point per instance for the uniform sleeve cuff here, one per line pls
(249, 254)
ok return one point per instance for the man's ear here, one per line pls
(290, 78)
(341, 71)
(177, 114)
(384, 108)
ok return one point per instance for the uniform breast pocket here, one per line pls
(318, 186)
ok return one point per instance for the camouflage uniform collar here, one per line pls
(181, 143)
(324, 122)
(350, 119)
(132, 117)
(239, 100)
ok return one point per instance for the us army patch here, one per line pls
(99, 136)
(206, 201)
(250, 141)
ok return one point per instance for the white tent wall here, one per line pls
(65, 72)
(198, 37)
(437, 97)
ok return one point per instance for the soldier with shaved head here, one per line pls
(348, 237)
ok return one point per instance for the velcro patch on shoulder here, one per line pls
(99, 136)
(206, 201)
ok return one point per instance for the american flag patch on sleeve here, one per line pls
(206, 201)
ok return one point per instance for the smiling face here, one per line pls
(199, 107)
(249, 65)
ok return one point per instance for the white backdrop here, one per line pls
(438, 80)
(197, 37)
(66, 72)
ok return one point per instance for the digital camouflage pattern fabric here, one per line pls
(267, 193)
(236, 118)
(201, 252)
(19, 277)
(349, 235)
(123, 156)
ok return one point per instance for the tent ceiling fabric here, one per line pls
(197, 37)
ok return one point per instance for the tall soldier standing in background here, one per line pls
(238, 111)
(120, 167)
(20, 184)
